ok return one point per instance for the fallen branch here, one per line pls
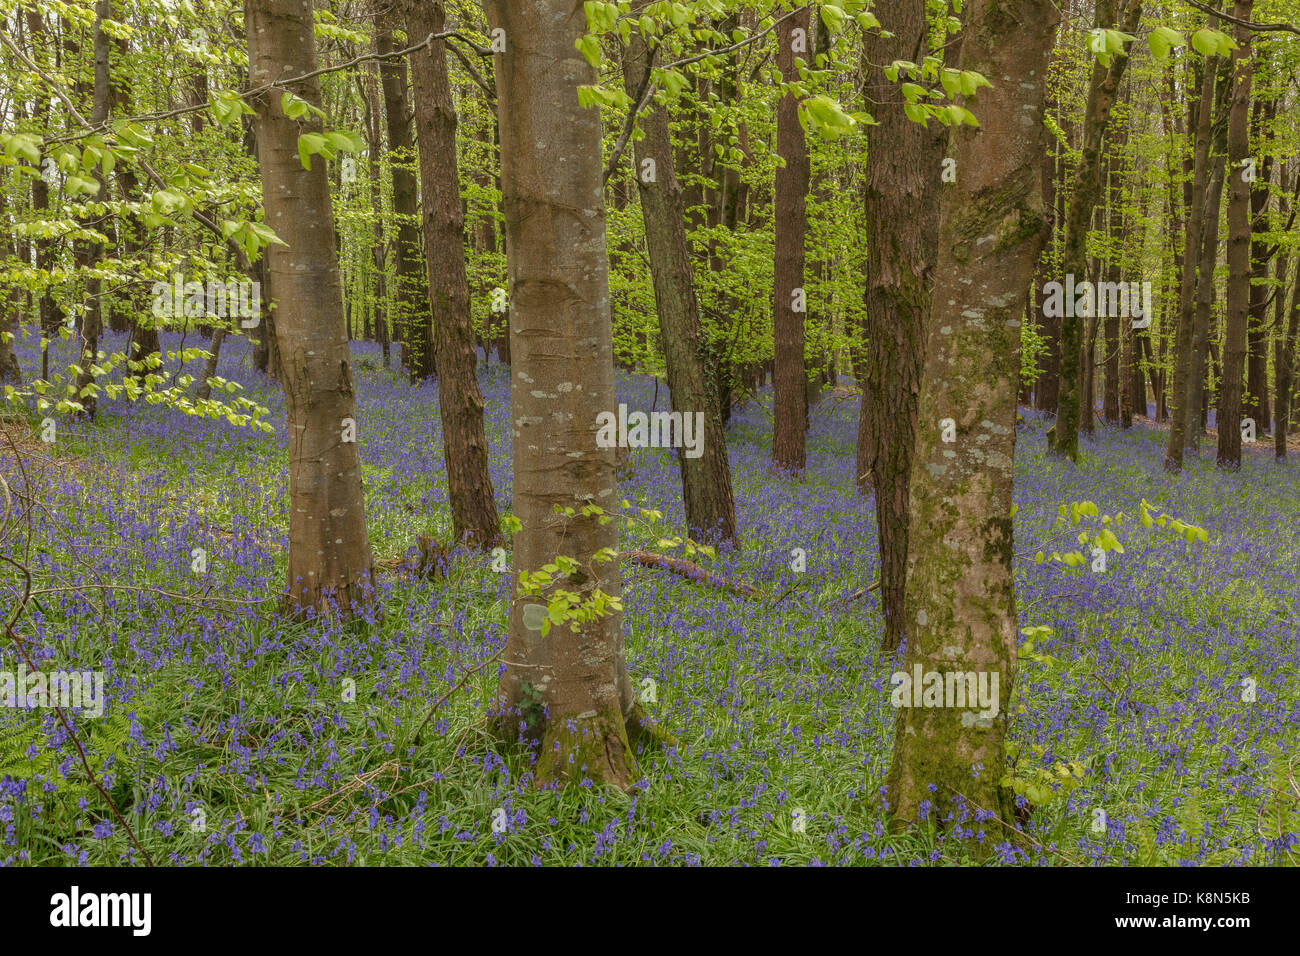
(689, 570)
(459, 684)
(862, 592)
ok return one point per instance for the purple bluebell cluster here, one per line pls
(229, 736)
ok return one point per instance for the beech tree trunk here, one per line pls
(460, 403)
(724, 213)
(1115, 270)
(1239, 268)
(1202, 344)
(706, 480)
(11, 372)
(92, 316)
(1255, 404)
(569, 691)
(961, 602)
(1286, 354)
(904, 166)
(204, 387)
(329, 549)
(1284, 333)
(411, 301)
(1200, 110)
(790, 402)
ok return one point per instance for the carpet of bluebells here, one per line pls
(231, 735)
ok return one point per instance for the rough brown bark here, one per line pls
(1255, 404)
(460, 403)
(1111, 343)
(1238, 306)
(379, 253)
(41, 199)
(790, 405)
(1283, 333)
(411, 301)
(706, 480)
(570, 690)
(724, 212)
(329, 549)
(89, 253)
(11, 372)
(1200, 109)
(901, 199)
(961, 603)
(1286, 357)
(1048, 386)
(1195, 396)
(204, 387)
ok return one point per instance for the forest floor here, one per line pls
(230, 736)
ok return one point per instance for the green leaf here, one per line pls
(912, 91)
(589, 47)
(345, 141)
(833, 17)
(309, 143)
(1162, 40)
(294, 107)
(1209, 42)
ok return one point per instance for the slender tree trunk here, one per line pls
(724, 213)
(570, 689)
(1255, 405)
(329, 550)
(1048, 387)
(789, 403)
(901, 200)
(1239, 266)
(93, 313)
(412, 299)
(1286, 354)
(1115, 270)
(11, 372)
(204, 388)
(379, 251)
(1181, 421)
(706, 479)
(1087, 191)
(460, 403)
(263, 344)
(41, 198)
(1283, 360)
(1195, 398)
